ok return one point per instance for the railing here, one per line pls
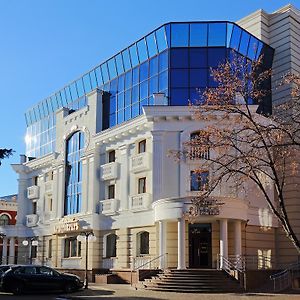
(109, 171)
(33, 192)
(284, 279)
(140, 162)
(154, 263)
(109, 263)
(140, 202)
(109, 206)
(31, 220)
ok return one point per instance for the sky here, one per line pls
(45, 44)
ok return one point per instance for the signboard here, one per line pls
(204, 207)
(67, 225)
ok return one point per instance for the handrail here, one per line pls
(165, 255)
(283, 279)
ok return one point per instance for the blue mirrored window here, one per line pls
(216, 56)
(161, 39)
(216, 34)
(104, 72)
(179, 58)
(235, 37)
(151, 43)
(80, 88)
(179, 35)
(153, 66)
(179, 78)
(135, 110)
(127, 115)
(244, 43)
(198, 58)
(144, 90)
(99, 76)
(253, 44)
(133, 55)
(229, 33)
(126, 59)
(163, 61)
(179, 96)
(121, 83)
(119, 63)
(128, 79)
(128, 97)
(135, 94)
(198, 35)
(163, 81)
(87, 83)
(120, 100)
(112, 68)
(142, 49)
(135, 75)
(144, 71)
(153, 85)
(93, 79)
(198, 77)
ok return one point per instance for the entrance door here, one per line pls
(200, 246)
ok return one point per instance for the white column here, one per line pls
(237, 238)
(92, 181)
(11, 258)
(4, 251)
(85, 184)
(223, 240)
(181, 244)
(124, 186)
(162, 244)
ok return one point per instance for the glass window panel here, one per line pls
(259, 50)
(168, 34)
(119, 63)
(144, 90)
(73, 91)
(153, 85)
(135, 94)
(128, 97)
(196, 96)
(198, 35)
(112, 120)
(68, 94)
(112, 68)
(211, 81)
(133, 55)
(51, 106)
(151, 43)
(163, 81)
(198, 57)
(106, 87)
(114, 87)
(112, 104)
(99, 76)
(198, 77)
(105, 72)
(253, 45)
(216, 34)
(161, 39)
(179, 78)
(127, 113)
(93, 79)
(229, 33)
(128, 80)
(135, 76)
(144, 102)
(63, 97)
(179, 96)
(126, 59)
(235, 37)
(144, 71)
(163, 61)
(121, 83)
(59, 99)
(244, 43)
(153, 66)
(216, 56)
(179, 35)
(120, 116)
(142, 49)
(80, 89)
(179, 58)
(135, 110)
(87, 83)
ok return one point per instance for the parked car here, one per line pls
(4, 268)
(19, 279)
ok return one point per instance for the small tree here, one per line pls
(254, 147)
(5, 153)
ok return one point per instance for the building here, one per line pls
(8, 217)
(96, 160)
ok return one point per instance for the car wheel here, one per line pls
(18, 288)
(69, 288)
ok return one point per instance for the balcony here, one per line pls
(140, 202)
(109, 207)
(49, 187)
(109, 171)
(31, 220)
(140, 162)
(33, 192)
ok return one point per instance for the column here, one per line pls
(92, 181)
(237, 238)
(162, 244)
(181, 244)
(85, 184)
(223, 240)
(124, 184)
(11, 258)
(4, 251)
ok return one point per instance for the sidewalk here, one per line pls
(124, 291)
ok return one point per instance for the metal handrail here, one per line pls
(283, 279)
(147, 263)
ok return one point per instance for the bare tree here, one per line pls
(5, 153)
(242, 144)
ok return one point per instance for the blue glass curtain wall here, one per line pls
(73, 173)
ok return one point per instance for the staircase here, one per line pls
(193, 281)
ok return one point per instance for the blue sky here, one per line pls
(47, 43)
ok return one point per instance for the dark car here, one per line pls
(4, 268)
(19, 279)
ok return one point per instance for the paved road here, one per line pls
(123, 292)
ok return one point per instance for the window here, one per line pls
(199, 180)
(199, 145)
(4, 220)
(49, 176)
(35, 180)
(49, 248)
(47, 271)
(111, 245)
(143, 243)
(111, 156)
(111, 192)
(33, 251)
(34, 207)
(142, 146)
(50, 204)
(142, 185)
(72, 247)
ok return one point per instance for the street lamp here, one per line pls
(86, 236)
(31, 242)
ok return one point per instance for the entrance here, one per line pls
(200, 246)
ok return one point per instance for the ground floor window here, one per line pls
(50, 248)
(111, 245)
(72, 247)
(143, 243)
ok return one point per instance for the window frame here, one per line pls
(107, 248)
(140, 245)
(68, 245)
(202, 186)
(142, 189)
(142, 146)
(111, 191)
(111, 156)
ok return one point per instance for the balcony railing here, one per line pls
(140, 162)
(33, 192)
(109, 171)
(109, 207)
(31, 220)
(140, 202)
(109, 263)
(49, 187)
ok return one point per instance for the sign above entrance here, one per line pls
(204, 207)
(67, 225)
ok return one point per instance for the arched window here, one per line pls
(199, 145)
(143, 243)
(4, 220)
(74, 151)
(111, 245)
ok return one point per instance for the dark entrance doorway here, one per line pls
(200, 246)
